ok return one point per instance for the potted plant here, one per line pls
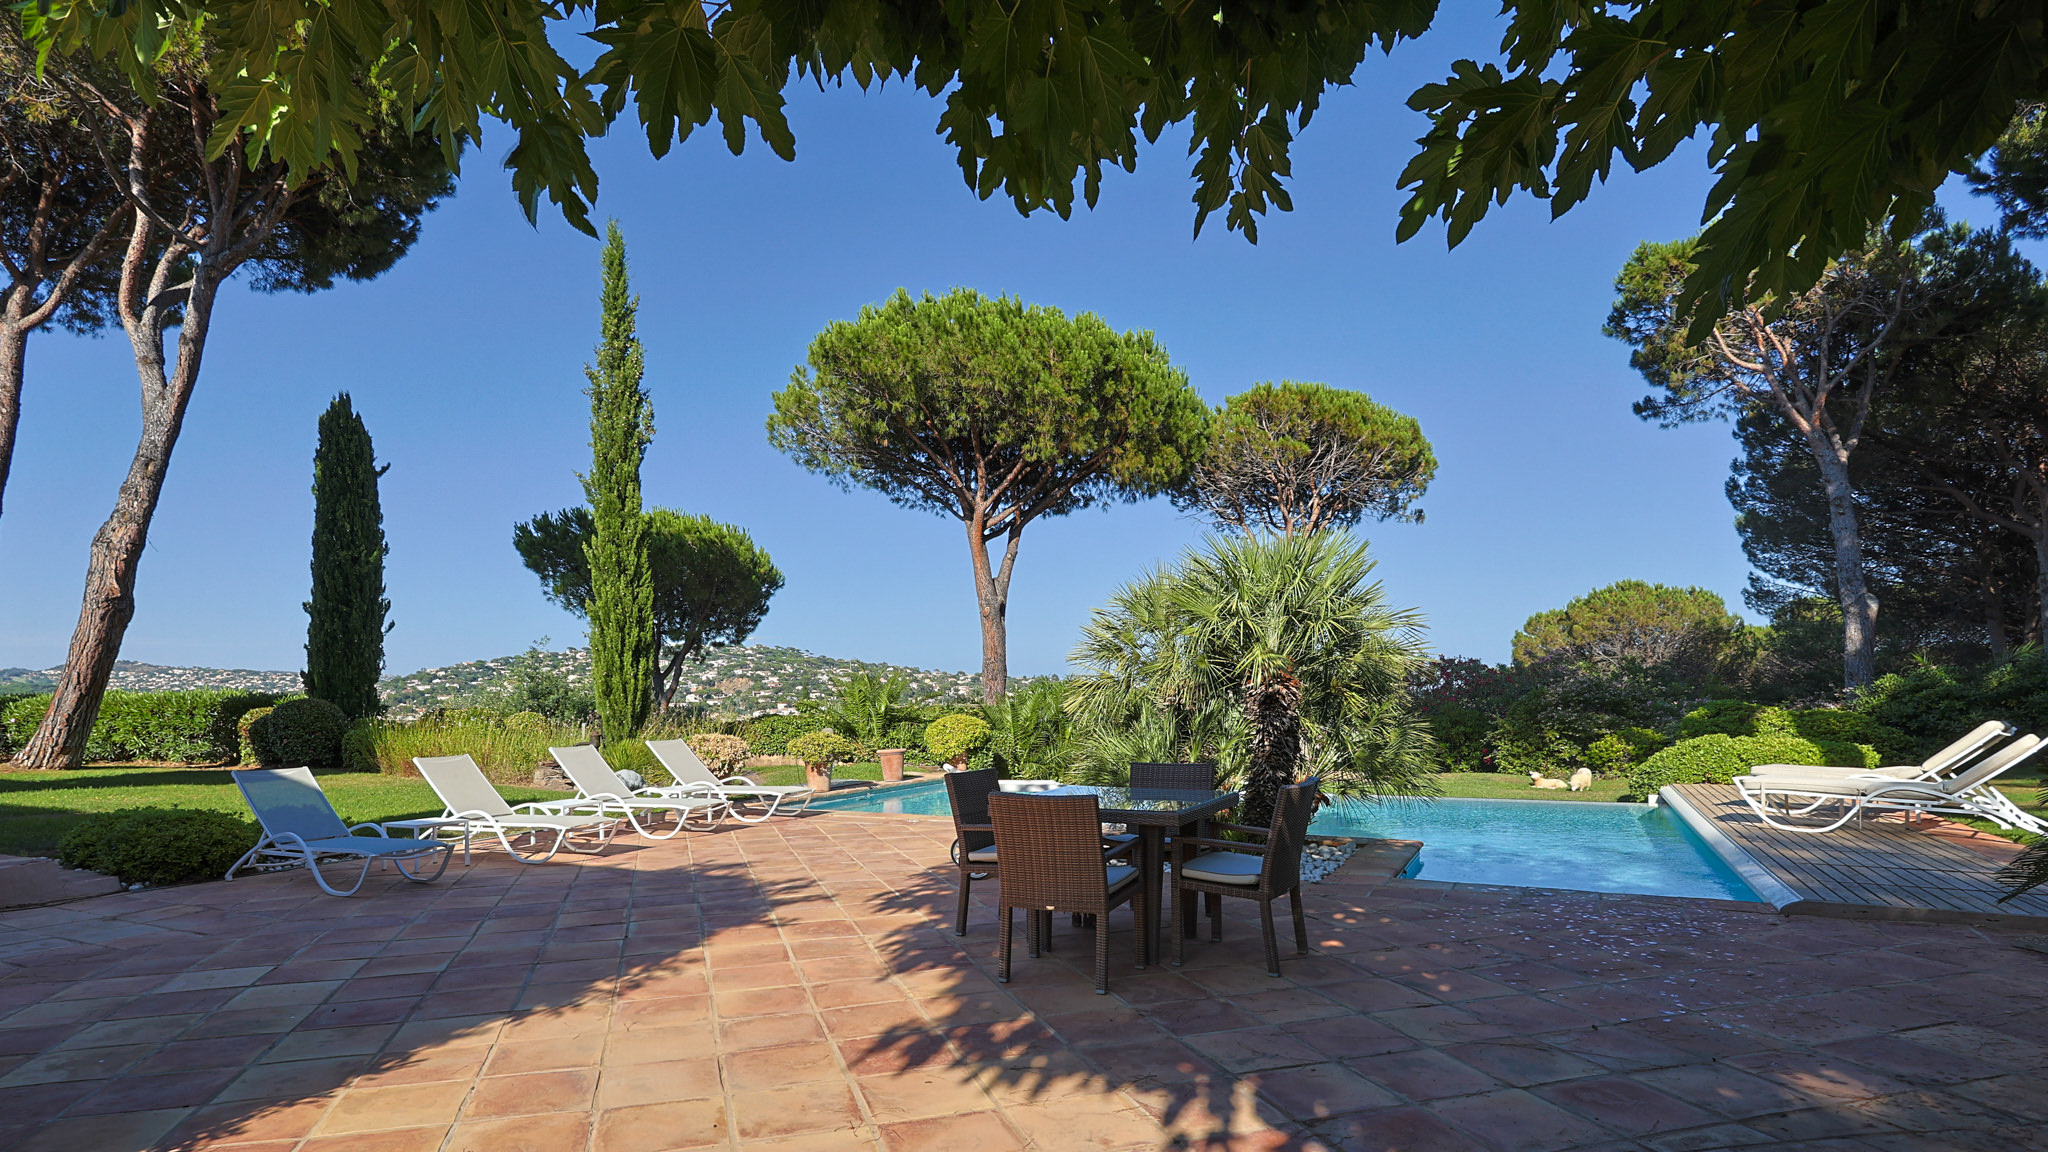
(892, 763)
(819, 751)
(954, 738)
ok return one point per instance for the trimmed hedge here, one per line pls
(770, 734)
(158, 845)
(1826, 725)
(300, 732)
(1717, 758)
(197, 727)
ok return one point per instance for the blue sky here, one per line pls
(466, 362)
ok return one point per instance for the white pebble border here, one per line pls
(1319, 860)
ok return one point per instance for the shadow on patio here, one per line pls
(797, 984)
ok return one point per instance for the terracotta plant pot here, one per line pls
(892, 763)
(818, 777)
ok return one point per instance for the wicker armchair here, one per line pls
(974, 841)
(1052, 853)
(1259, 872)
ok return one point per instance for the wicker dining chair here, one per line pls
(1199, 776)
(1261, 872)
(1052, 853)
(974, 841)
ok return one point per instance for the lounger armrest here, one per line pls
(1228, 845)
(737, 778)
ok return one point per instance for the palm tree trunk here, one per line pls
(1273, 705)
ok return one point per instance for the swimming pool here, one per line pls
(1591, 847)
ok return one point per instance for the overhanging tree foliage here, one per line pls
(345, 627)
(60, 211)
(195, 217)
(712, 583)
(1301, 458)
(623, 642)
(1823, 120)
(992, 412)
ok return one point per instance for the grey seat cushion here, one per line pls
(1224, 868)
(985, 855)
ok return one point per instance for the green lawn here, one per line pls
(37, 808)
(1503, 786)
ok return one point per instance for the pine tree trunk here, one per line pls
(1852, 589)
(109, 601)
(13, 356)
(345, 618)
(992, 595)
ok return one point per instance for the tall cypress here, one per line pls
(345, 627)
(622, 637)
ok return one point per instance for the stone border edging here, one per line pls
(1760, 879)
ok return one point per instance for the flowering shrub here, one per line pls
(720, 751)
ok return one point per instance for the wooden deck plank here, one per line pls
(1866, 867)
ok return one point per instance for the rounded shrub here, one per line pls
(954, 736)
(248, 720)
(1841, 726)
(823, 747)
(304, 731)
(158, 845)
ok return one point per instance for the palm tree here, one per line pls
(1278, 655)
(868, 707)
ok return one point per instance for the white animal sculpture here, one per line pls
(1539, 780)
(1581, 780)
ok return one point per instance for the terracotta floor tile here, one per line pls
(982, 1131)
(658, 1082)
(119, 1131)
(543, 1133)
(328, 1042)
(1254, 1049)
(530, 1093)
(1511, 1120)
(515, 1056)
(1086, 1122)
(1394, 1130)
(295, 1078)
(816, 1107)
(250, 1122)
(757, 1068)
(406, 1068)
(769, 1031)
(151, 1093)
(403, 1106)
(665, 1012)
(659, 1127)
(921, 1093)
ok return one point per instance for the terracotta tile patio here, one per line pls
(793, 986)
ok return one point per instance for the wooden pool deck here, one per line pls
(1866, 870)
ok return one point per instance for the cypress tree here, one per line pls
(622, 637)
(345, 627)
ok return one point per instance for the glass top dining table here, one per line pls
(1152, 813)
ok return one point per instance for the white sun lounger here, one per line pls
(607, 795)
(301, 827)
(469, 797)
(1968, 793)
(691, 772)
(1942, 763)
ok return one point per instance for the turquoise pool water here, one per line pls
(1592, 847)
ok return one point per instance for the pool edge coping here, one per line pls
(1759, 878)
